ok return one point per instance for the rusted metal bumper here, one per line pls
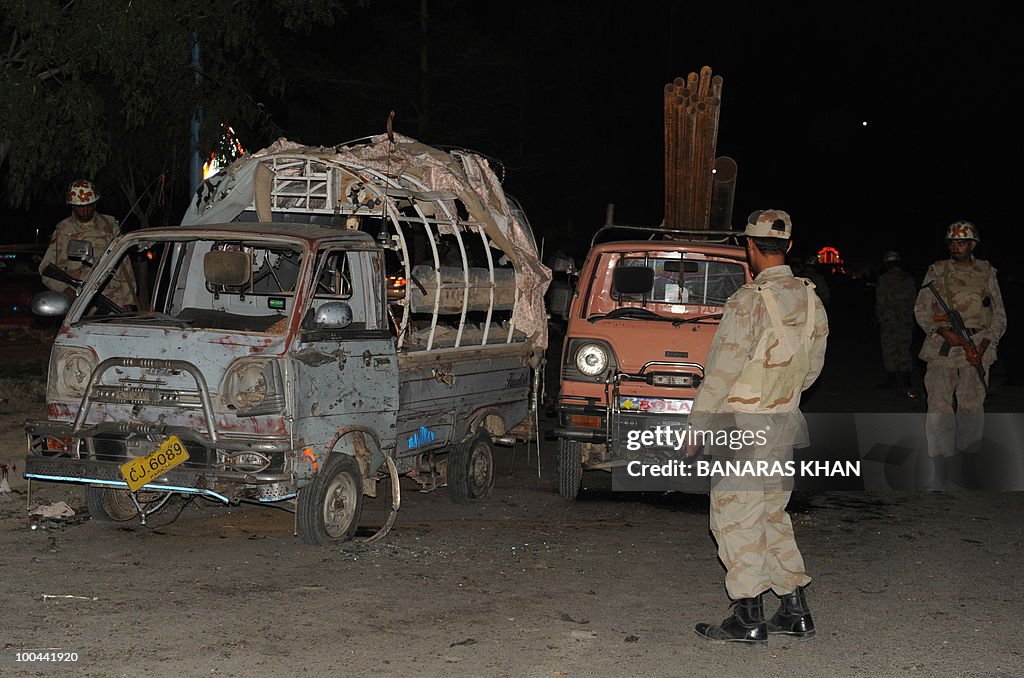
(94, 454)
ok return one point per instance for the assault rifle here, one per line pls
(52, 271)
(956, 322)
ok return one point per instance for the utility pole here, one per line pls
(196, 165)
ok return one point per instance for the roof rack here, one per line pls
(718, 236)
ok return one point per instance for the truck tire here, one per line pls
(570, 468)
(329, 508)
(109, 505)
(471, 469)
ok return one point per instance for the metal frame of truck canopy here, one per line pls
(405, 185)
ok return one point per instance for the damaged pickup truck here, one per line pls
(272, 365)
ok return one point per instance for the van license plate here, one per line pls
(142, 470)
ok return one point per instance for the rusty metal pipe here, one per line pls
(712, 142)
(679, 113)
(704, 82)
(670, 150)
(700, 170)
(686, 167)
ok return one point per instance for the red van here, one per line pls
(640, 326)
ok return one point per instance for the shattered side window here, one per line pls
(335, 277)
(274, 270)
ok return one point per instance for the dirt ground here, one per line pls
(521, 584)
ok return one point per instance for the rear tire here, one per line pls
(570, 468)
(329, 508)
(109, 505)
(471, 469)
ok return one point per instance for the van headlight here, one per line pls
(588, 360)
(591, 359)
(253, 386)
(72, 368)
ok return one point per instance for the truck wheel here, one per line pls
(570, 468)
(471, 469)
(329, 507)
(109, 505)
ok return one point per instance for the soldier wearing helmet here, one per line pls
(895, 294)
(777, 314)
(956, 395)
(85, 223)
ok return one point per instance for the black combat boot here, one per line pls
(744, 625)
(793, 617)
(970, 471)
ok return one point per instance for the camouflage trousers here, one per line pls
(896, 339)
(755, 535)
(948, 430)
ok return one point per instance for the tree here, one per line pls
(107, 87)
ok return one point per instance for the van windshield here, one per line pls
(678, 286)
(223, 284)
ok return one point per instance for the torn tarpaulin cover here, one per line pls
(374, 169)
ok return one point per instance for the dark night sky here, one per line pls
(568, 95)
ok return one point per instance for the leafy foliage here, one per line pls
(107, 88)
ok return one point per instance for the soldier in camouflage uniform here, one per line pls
(99, 229)
(769, 348)
(956, 394)
(895, 294)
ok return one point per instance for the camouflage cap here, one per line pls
(769, 224)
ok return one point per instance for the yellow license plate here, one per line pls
(142, 470)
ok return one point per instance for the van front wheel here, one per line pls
(329, 507)
(570, 468)
(109, 505)
(471, 469)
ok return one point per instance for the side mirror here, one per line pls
(333, 315)
(50, 304)
(633, 279)
(80, 250)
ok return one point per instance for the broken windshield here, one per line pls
(225, 284)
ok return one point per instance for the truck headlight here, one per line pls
(253, 386)
(591, 359)
(72, 368)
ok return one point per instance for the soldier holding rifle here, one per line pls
(85, 223)
(961, 312)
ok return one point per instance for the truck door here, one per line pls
(346, 373)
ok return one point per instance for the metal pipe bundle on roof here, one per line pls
(691, 109)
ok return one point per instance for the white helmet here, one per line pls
(82, 192)
(962, 230)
